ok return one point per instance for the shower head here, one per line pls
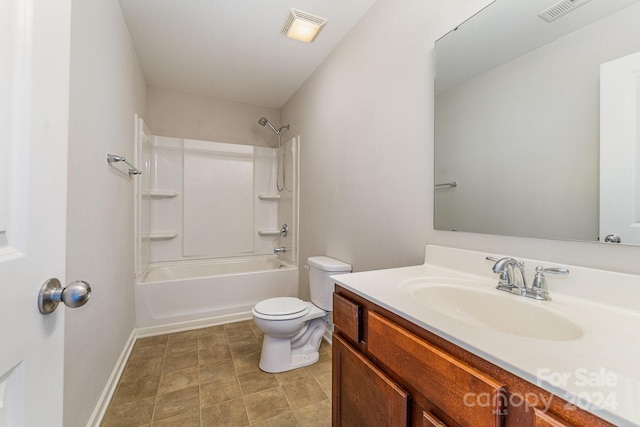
(264, 122)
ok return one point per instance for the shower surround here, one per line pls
(208, 216)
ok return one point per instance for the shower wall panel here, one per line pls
(218, 199)
(266, 210)
(288, 205)
(203, 199)
(142, 206)
(166, 199)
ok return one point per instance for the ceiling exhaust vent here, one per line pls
(561, 9)
(302, 26)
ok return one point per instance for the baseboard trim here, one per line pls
(150, 331)
(112, 383)
(328, 339)
(328, 334)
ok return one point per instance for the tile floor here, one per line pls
(210, 377)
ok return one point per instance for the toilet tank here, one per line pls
(321, 268)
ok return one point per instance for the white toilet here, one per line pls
(293, 329)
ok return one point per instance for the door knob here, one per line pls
(612, 238)
(52, 293)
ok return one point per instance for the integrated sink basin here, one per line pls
(487, 307)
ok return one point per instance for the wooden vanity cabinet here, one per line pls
(372, 398)
(388, 371)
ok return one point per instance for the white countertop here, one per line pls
(599, 372)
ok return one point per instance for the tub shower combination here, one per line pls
(218, 291)
(208, 217)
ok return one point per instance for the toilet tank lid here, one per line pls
(325, 263)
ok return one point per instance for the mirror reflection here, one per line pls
(524, 106)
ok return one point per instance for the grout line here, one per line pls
(289, 403)
(275, 416)
(199, 383)
(233, 361)
(155, 401)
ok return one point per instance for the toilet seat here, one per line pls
(283, 308)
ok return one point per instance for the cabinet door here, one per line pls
(468, 396)
(362, 394)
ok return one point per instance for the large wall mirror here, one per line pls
(537, 109)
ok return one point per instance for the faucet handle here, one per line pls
(561, 271)
(539, 289)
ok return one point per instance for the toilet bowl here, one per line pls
(293, 329)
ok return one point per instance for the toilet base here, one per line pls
(272, 363)
(285, 354)
(297, 361)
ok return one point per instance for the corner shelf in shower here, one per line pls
(269, 197)
(160, 236)
(160, 194)
(269, 232)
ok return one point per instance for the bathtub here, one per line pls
(170, 297)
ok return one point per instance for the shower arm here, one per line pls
(264, 122)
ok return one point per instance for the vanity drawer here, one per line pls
(430, 420)
(545, 419)
(347, 317)
(466, 395)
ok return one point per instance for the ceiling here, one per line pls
(233, 49)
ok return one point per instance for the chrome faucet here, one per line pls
(513, 280)
(277, 250)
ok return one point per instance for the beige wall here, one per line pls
(366, 123)
(184, 115)
(107, 88)
(365, 120)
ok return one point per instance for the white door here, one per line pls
(620, 149)
(34, 94)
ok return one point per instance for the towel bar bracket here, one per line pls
(113, 158)
(447, 184)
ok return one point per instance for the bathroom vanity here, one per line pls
(399, 362)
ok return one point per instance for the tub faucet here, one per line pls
(277, 250)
